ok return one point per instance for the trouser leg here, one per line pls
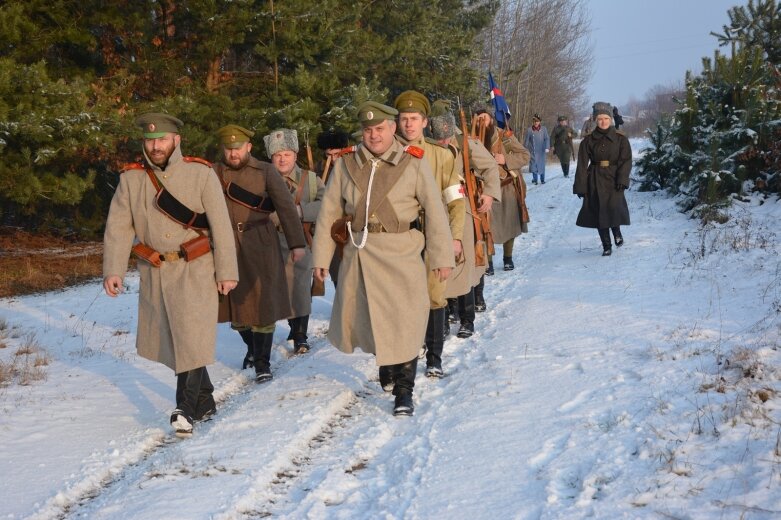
(604, 236)
(246, 336)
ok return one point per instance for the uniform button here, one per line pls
(168, 235)
(165, 176)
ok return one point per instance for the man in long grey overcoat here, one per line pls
(177, 304)
(253, 190)
(382, 303)
(306, 190)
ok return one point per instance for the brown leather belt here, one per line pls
(171, 256)
(604, 164)
(377, 227)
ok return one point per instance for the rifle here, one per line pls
(485, 218)
(472, 195)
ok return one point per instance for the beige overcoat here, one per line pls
(506, 221)
(261, 298)
(177, 302)
(466, 275)
(299, 274)
(381, 303)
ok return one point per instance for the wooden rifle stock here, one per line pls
(326, 168)
(472, 196)
(309, 158)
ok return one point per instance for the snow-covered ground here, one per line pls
(643, 385)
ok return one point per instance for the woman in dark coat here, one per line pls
(604, 164)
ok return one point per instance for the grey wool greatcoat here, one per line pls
(177, 302)
(604, 161)
(381, 303)
(299, 274)
(506, 221)
(466, 274)
(261, 298)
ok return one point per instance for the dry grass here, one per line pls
(28, 363)
(31, 263)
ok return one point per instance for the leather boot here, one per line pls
(262, 342)
(466, 314)
(206, 406)
(403, 384)
(452, 310)
(617, 236)
(434, 343)
(508, 263)
(386, 377)
(604, 236)
(479, 300)
(298, 331)
(194, 400)
(489, 270)
(249, 359)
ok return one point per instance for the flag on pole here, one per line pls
(500, 105)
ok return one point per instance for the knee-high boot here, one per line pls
(249, 358)
(466, 314)
(604, 236)
(403, 385)
(188, 389)
(479, 300)
(434, 342)
(619, 239)
(262, 342)
(298, 330)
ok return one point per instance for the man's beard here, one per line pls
(241, 164)
(162, 164)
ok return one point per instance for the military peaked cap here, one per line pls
(234, 136)
(562, 118)
(157, 124)
(371, 113)
(412, 101)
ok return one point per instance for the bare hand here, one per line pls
(442, 273)
(320, 274)
(226, 286)
(297, 254)
(500, 158)
(458, 248)
(486, 202)
(112, 285)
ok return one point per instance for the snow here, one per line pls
(642, 385)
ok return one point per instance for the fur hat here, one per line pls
(332, 139)
(443, 126)
(601, 108)
(280, 140)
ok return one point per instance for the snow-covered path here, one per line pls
(591, 389)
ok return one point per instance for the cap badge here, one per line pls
(233, 138)
(369, 115)
(279, 135)
(151, 127)
(409, 103)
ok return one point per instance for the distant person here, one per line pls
(561, 143)
(172, 207)
(604, 164)
(588, 126)
(537, 141)
(617, 119)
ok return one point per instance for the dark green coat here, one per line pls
(604, 206)
(561, 140)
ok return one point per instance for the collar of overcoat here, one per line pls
(392, 155)
(176, 156)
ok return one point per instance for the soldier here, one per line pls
(173, 206)
(253, 190)
(537, 142)
(307, 189)
(561, 143)
(414, 109)
(468, 280)
(509, 217)
(381, 302)
(604, 165)
(331, 143)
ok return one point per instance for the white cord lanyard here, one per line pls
(365, 231)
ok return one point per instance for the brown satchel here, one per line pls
(147, 254)
(339, 230)
(195, 248)
(318, 287)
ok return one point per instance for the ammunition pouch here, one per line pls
(339, 232)
(195, 248)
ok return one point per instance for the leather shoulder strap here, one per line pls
(190, 159)
(132, 166)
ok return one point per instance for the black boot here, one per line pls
(617, 236)
(403, 384)
(191, 387)
(466, 314)
(565, 168)
(262, 342)
(298, 330)
(249, 359)
(508, 263)
(386, 377)
(434, 343)
(604, 236)
(489, 270)
(452, 310)
(479, 300)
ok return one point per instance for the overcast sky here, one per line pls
(642, 43)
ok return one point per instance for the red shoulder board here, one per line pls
(344, 151)
(132, 166)
(198, 160)
(414, 151)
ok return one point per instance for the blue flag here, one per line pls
(500, 105)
